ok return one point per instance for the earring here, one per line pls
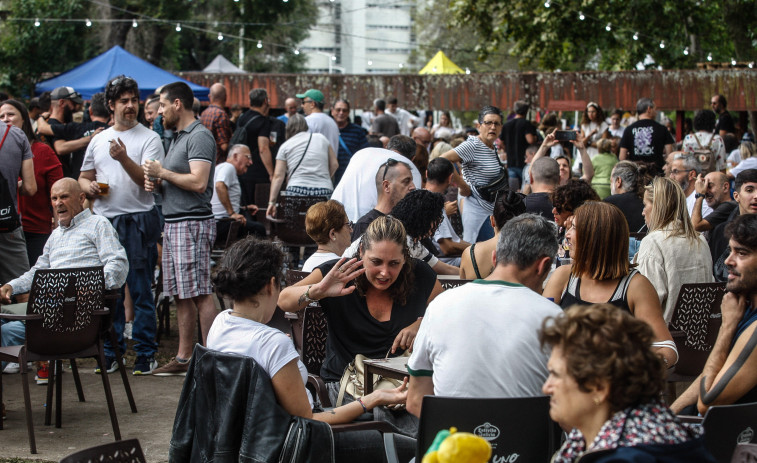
(333, 239)
(597, 401)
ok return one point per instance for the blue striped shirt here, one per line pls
(355, 138)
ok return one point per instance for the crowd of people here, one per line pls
(576, 243)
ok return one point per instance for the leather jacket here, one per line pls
(228, 412)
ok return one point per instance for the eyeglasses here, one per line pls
(118, 80)
(349, 224)
(491, 123)
(676, 171)
(341, 110)
(389, 163)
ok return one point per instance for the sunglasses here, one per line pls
(389, 163)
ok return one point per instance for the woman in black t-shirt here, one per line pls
(373, 305)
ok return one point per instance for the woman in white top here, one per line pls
(673, 253)
(748, 159)
(703, 138)
(593, 125)
(444, 128)
(250, 274)
(306, 160)
(327, 223)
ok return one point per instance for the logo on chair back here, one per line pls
(488, 431)
(746, 436)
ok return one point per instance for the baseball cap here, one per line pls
(66, 93)
(313, 94)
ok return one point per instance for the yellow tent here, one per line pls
(440, 64)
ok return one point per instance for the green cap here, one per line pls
(313, 94)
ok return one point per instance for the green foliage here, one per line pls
(555, 38)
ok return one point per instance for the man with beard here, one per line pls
(715, 190)
(185, 182)
(730, 374)
(70, 139)
(113, 179)
(684, 169)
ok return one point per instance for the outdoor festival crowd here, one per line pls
(576, 241)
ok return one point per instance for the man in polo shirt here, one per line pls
(185, 182)
(318, 121)
(504, 362)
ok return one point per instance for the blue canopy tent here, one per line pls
(92, 76)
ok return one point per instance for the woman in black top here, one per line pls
(601, 272)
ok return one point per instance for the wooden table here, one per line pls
(395, 368)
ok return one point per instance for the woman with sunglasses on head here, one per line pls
(481, 165)
(373, 302)
(251, 274)
(328, 225)
(600, 272)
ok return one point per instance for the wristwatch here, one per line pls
(698, 195)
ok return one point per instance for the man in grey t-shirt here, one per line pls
(15, 161)
(184, 179)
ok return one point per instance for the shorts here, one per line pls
(186, 257)
(15, 261)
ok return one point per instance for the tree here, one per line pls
(551, 34)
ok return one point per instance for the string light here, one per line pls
(134, 23)
(608, 27)
(662, 44)
(636, 36)
(733, 62)
(751, 64)
(178, 27)
(467, 70)
(581, 16)
(88, 23)
(686, 51)
(546, 4)
(709, 56)
(333, 58)
(220, 36)
(296, 51)
(370, 63)
(401, 65)
(36, 22)
(260, 44)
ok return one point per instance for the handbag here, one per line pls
(353, 380)
(489, 191)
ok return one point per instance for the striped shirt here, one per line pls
(481, 165)
(90, 240)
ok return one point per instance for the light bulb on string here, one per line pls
(608, 27)
(686, 51)
(260, 44)
(467, 70)
(88, 23)
(733, 62)
(581, 16)
(636, 36)
(296, 51)
(751, 64)
(36, 22)
(709, 56)
(546, 4)
(178, 27)
(134, 23)
(333, 58)
(370, 63)
(220, 36)
(401, 65)
(662, 44)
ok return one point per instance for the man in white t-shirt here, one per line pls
(405, 119)
(482, 339)
(684, 169)
(227, 194)
(357, 188)
(112, 177)
(318, 121)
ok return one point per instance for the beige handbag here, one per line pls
(353, 380)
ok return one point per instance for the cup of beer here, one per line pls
(273, 136)
(102, 182)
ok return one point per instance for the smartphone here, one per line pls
(565, 135)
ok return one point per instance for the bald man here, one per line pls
(80, 240)
(215, 119)
(291, 105)
(715, 190)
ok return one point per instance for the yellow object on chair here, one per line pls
(458, 447)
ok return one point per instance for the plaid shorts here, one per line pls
(186, 257)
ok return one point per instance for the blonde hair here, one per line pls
(669, 209)
(747, 150)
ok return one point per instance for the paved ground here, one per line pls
(85, 424)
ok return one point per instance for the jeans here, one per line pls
(12, 333)
(139, 281)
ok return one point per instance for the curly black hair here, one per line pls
(118, 86)
(420, 211)
(570, 196)
(247, 267)
(705, 119)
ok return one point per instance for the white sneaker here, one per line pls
(12, 368)
(128, 327)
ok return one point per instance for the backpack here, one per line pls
(707, 159)
(8, 215)
(239, 137)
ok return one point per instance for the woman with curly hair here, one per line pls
(373, 302)
(600, 272)
(251, 274)
(673, 253)
(593, 126)
(567, 198)
(604, 385)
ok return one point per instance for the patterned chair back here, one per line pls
(67, 299)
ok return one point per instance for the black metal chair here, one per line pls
(124, 451)
(745, 453)
(66, 319)
(289, 226)
(513, 426)
(726, 426)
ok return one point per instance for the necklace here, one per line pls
(242, 315)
